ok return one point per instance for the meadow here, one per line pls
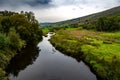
(100, 50)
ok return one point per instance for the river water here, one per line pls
(47, 63)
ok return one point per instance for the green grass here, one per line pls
(100, 50)
(106, 56)
(70, 28)
(45, 31)
(115, 35)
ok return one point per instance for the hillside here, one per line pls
(111, 12)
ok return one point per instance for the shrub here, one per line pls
(4, 41)
(15, 42)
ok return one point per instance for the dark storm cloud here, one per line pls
(17, 3)
(38, 2)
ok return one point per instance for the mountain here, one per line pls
(111, 12)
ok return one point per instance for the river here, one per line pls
(47, 63)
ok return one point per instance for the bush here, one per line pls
(15, 42)
(4, 41)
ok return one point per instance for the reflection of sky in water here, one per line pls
(57, 66)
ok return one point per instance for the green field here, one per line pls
(100, 50)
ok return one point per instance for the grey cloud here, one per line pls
(38, 2)
(17, 3)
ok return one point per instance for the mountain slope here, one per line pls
(111, 12)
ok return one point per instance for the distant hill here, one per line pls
(45, 24)
(111, 12)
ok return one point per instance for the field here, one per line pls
(100, 50)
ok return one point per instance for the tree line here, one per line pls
(107, 24)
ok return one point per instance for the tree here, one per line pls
(6, 24)
(108, 23)
(100, 24)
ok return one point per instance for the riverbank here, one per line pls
(15, 36)
(9, 46)
(100, 50)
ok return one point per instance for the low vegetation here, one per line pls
(101, 50)
(16, 31)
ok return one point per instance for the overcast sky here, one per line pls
(58, 10)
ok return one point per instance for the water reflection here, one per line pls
(49, 65)
(26, 57)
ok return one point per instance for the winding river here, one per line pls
(47, 63)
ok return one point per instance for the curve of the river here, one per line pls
(47, 64)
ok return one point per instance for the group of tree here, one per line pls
(108, 23)
(16, 31)
(24, 24)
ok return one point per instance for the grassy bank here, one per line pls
(99, 49)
